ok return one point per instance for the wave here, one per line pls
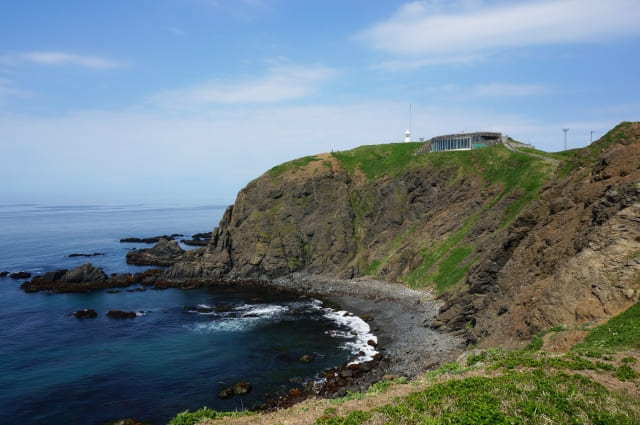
(358, 331)
(237, 319)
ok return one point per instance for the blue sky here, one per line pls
(186, 101)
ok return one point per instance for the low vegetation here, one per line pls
(621, 332)
(291, 165)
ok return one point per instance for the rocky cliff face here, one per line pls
(571, 258)
(509, 255)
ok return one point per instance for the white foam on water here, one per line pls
(362, 331)
(225, 325)
(265, 311)
(246, 317)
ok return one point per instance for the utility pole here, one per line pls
(565, 137)
(591, 140)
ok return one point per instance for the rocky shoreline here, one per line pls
(400, 317)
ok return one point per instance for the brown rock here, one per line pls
(87, 313)
(119, 314)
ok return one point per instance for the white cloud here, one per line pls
(420, 28)
(281, 83)
(55, 58)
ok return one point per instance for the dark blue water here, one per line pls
(56, 369)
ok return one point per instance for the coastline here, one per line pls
(399, 316)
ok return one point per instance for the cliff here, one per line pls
(512, 242)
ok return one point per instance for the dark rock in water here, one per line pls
(20, 275)
(195, 242)
(87, 313)
(223, 308)
(87, 278)
(226, 393)
(153, 239)
(119, 314)
(242, 388)
(113, 291)
(95, 254)
(199, 239)
(127, 421)
(85, 273)
(306, 358)
(164, 253)
(4, 274)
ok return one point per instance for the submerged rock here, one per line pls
(240, 388)
(153, 239)
(20, 275)
(306, 358)
(4, 274)
(95, 254)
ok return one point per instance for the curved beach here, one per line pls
(399, 316)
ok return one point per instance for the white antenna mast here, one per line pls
(565, 137)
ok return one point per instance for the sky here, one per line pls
(186, 101)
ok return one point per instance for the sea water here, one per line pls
(183, 347)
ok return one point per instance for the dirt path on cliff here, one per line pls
(509, 146)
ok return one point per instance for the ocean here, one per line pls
(182, 348)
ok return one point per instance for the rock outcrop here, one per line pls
(164, 253)
(510, 255)
(87, 278)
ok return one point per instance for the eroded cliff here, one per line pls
(513, 243)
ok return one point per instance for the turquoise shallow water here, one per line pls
(56, 369)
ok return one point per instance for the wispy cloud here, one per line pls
(56, 58)
(280, 84)
(430, 28)
(177, 31)
(8, 88)
(413, 64)
(501, 89)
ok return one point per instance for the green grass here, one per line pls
(619, 333)
(559, 156)
(527, 387)
(191, 418)
(378, 160)
(291, 165)
(421, 276)
(529, 397)
(450, 270)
